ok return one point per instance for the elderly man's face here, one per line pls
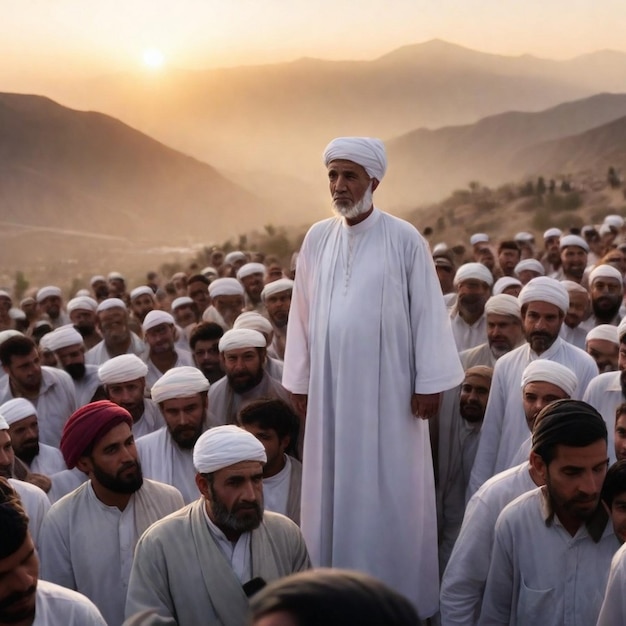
(472, 294)
(243, 368)
(473, 398)
(185, 418)
(160, 338)
(114, 325)
(84, 320)
(253, 284)
(578, 308)
(504, 332)
(350, 190)
(72, 359)
(52, 306)
(229, 307)
(277, 306)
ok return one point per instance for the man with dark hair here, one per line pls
(88, 538)
(509, 255)
(198, 291)
(606, 287)
(204, 341)
(276, 426)
(614, 498)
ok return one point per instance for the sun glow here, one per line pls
(153, 58)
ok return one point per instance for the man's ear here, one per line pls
(538, 464)
(203, 486)
(85, 465)
(375, 183)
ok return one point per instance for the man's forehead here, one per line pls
(240, 351)
(476, 380)
(241, 468)
(346, 165)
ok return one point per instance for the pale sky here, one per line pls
(79, 37)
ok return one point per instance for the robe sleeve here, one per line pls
(613, 609)
(54, 553)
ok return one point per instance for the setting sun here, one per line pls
(153, 58)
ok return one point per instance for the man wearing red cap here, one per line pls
(88, 538)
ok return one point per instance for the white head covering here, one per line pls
(253, 321)
(5, 294)
(209, 271)
(142, 290)
(5, 426)
(121, 369)
(523, 236)
(82, 303)
(503, 304)
(63, 337)
(241, 338)
(546, 371)
(552, 232)
(44, 343)
(440, 247)
(111, 303)
(606, 271)
(82, 292)
(571, 286)
(544, 289)
(225, 287)
(97, 279)
(530, 264)
(573, 240)
(367, 152)
(479, 238)
(115, 276)
(621, 329)
(608, 332)
(179, 382)
(223, 446)
(276, 286)
(233, 257)
(154, 318)
(475, 271)
(504, 283)
(250, 268)
(47, 292)
(7, 334)
(182, 301)
(16, 314)
(614, 220)
(16, 410)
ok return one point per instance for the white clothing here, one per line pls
(58, 606)
(464, 579)
(479, 355)
(613, 609)
(274, 367)
(237, 554)
(36, 505)
(150, 421)
(49, 461)
(466, 335)
(86, 387)
(184, 359)
(55, 403)
(367, 317)
(523, 452)
(505, 427)
(65, 482)
(539, 573)
(575, 336)
(276, 489)
(99, 353)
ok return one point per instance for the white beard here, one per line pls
(358, 208)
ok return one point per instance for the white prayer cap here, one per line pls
(571, 286)
(552, 232)
(7, 334)
(504, 283)
(523, 236)
(111, 303)
(155, 318)
(606, 271)
(26, 301)
(142, 290)
(573, 240)
(608, 332)
(5, 294)
(614, 220)
(621, 329)
(63, 337)
(17, 409)
(503, 304)
(209, 271)
(44, 343)
(182, 301)
(5, 426)
(475, 271)
(276, 286)
(368, 152)
(121, 369)
(532, 265)
(82, 303)
(225, 287)
(48, 292)
(179, 276)
(253, 321)
(115, 276)
(479, 238)
(98, 278)
(16, 314)
(223, 446)
(545, 289)
(82, 292)
(233, 257)
(547, 371)
(605, 229)
(241, 338)
(250, 268)
(440, 247)
(179, 382)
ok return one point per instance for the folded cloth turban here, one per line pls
(225, 287)
(121, 369)
(573, 240)
(544, 289)
(276, 286)
(142, 290)
(504, 283)
(182, 301)
(82, 303)
(111, 303)
(503, 304)
(367, 152)
(250, 268)
(253, 321)
(546, 371)
(63, 337)
(608, 332)
(48, 292)
(241, 338)
(476, 271)
(606, 271)
(530, 264)
(17, 409)
(179, 382)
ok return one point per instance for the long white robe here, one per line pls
(65, 482)
(613, 609)
(367, 329)
(49, 461)
(36, 505)
(467, 336)
(478, 355)
(150, 421)
(58, 606)
(88, 546)
(576, 336)
(180, 571)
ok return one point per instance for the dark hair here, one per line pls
(621, 409)
(509, 244)
(614, 482)
(15, 346)
(198, 278)
(325, 597)
(13, 520)
(205, 331)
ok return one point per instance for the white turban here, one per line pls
(5, 294)
(209, 271)
(605, 229)
(115, 276)
(182, 301)
(241, 338)
(253, 321)
(524, 236)
(179, 382)
(440, 247)
(48, 292)
(63, 337)
(7, 334)
(606, 271)
(155, 318)
(82, 292)
(573, 240)
(475, 271)
(532, 265)
(552, 232)
(82, 303)
(225, 287)
(142, 290)
(5, 426)
(121, 369)
(44, 343)
(546, 371)
(233, 257)
(504, 283)
(571, 286)
(544, 289)
(503, 304)
(16, 410)
(607, 332)
(479, 238)
(616, 221)
(250, 268)
(621, 329)
(111, 303)
(16, 314)
(276, 286)
(367, 152)
(97, 279)
(223, 446)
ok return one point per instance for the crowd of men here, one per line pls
(448, 421)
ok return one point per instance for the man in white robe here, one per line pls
(88, 537)
(277, 298)
(82, 313)
(602, 343)
(606, 289)
(199, 565)
(573, 330)
(255, 321)
(50, 303)
(252, 277)
(227, 302)
(367, 317)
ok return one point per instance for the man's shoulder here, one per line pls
(172, 525)
(65, 606)
(218, 387)
(602, 382)
(506, 485)
(27, 489)
(146, 441)
(280, 525)
(55, 375)
(156, 489)
(525, 508)
(70, 500)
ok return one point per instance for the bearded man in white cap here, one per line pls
(255, 321)
(243, 355)
(142, 301)
(606, 287)
(277, 299)
(602, 343)
(50, 302)
(124, 381)
(82, 313)
(551, 258)
(367, 314)
(227, 302)
(202, 563)
(574, 251)
(544, 303)
(252, 277)
(573, 330)
(181, 394)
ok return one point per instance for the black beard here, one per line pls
(241, 385)
(28, 451)
(184, 437)
(85, 331)
(76, 370)
(223, 518)
(116, 484)
(606, 313)
(471, 416)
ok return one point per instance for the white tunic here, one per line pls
(150, 421)
(65, 482)
(539, 573)
(466, 335)
(183, 358)
(99, 353)
(479, 355)
(505, 427)
(86, 387)
(58, 606)
(463, 581)
(34, 504)
(276, 489)
(367, 320)
(576, 336)
(49, 461)
(613, 609)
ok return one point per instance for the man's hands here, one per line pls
(424, 405)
